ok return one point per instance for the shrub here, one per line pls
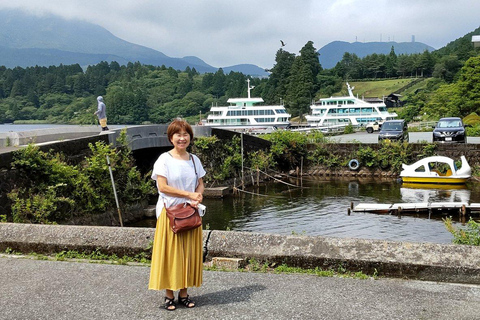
(469, 236)
(390, 156)
(320, 156)
(222, 160)
(473, 131)
(52, 190)
(288, 148)
(348, 129)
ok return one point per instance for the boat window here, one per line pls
(420, 169)
(265, 119)
(382, 109)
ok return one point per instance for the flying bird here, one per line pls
(283, 43)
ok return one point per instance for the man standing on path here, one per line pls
(101, 113)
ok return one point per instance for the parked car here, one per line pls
(449, 130)
(394, 130)
(374, 126)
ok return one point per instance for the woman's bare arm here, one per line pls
(174, 192)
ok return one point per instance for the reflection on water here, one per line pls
(320, 208)
(445, 193)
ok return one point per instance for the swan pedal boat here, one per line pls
(422, 172)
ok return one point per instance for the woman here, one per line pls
(177, 258)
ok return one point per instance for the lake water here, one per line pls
(30, 127)
(320, 208)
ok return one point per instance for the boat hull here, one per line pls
(435, 180)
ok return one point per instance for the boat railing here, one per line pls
(422, 125)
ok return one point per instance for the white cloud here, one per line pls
(224, 33)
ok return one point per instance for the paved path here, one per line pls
(38, 289)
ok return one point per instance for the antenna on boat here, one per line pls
(350, 90)
(249, 88)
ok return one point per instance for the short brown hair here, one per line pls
(176, 126)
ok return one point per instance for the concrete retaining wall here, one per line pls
(45, 135)
(471, 151)
(425, 261)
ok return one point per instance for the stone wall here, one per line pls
(471, 151)
(250, 143)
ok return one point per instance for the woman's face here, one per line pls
(181, 140)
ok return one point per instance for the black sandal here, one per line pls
(169, 303)
(186, 301)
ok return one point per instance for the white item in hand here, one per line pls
(201, 209)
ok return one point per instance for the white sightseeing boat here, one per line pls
(342, 111)
(243, 114)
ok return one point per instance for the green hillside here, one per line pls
(376, 88)
(379, 88)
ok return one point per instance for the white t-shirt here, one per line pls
(180, 174)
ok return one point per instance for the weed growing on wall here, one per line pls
(428, 150)
(390, 156)
(469, 235)
(288, 148)
(50, 189)
(221, 159)
(323, 157)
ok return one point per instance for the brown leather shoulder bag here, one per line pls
(183, 216)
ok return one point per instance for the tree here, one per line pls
(426, 63)
(374, 65)
(405, 65)
(276, 87)
(218, 83)
(300, 88)
(469, 87)
(447, 67)
(309, 55)
(350, 67)
(391, 64)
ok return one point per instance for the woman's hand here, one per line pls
(196, 197)
(194, 204)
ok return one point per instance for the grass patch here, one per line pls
(253, 265)
(378, 88)
(340, 272)
(95, 256)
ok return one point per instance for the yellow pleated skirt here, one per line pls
(177, 259)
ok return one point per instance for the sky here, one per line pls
(230, 32)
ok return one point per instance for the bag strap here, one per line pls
(194, 168)
(196, 175)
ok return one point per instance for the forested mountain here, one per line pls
(29, 40)
(333, 52)
(461, 47)
(141, 93)
(134, 93)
